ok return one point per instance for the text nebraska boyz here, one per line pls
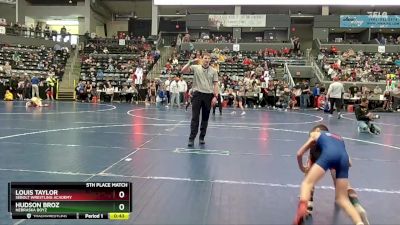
(35, 206)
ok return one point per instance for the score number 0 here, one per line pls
(121, 206)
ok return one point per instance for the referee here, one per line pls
(205, 92)
(335, 95)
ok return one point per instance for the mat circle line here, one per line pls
(112, 107)
(236, 126)
(320, 119)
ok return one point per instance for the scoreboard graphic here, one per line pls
(70, 200)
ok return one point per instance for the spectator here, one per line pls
(63, 33)
(40, 65)
(353, 90)
(38, 30)
(182, 86)
(82, 94)
(377, 90)
(364, 118)
(174, 91)
(51, 82)
(109, 92)
(7, 69)
(8, 96)
(16, 57)
(139, 75)
(335, 96)
(316, 94)
(35, 86)
(304, 97)
(47, 32)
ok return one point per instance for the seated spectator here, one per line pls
(376, 68)
(334, 50)
(16, 57)
(246, 61)
(109, 92)
(377, 90)
(132, 93)
(321, 101)
(365, 118)
(100, 73)
(7, 69)
(110, 68)
(40, 65)
(282, 102)
(89, 60)
(81, 89)
(161, 97)
(396, 97)
(175, 61)
(8, 96)
(353, 89)
(231, 98)
(397, 61)
(337, 65)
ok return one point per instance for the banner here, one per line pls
(236, 47)
(369, 21)
(236, 21)
(381, 49)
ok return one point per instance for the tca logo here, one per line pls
(377, 14)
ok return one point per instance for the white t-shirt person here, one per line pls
(335, 90)
(139, 75)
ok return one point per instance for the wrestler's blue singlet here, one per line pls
(333, 154)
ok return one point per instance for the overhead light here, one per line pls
(280, 2)
(70, 2)
(301, 16)
(62, 22)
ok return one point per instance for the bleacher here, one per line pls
(233, 64)
(29, 58)
(386, 62)
(99, 63)
(123, 57)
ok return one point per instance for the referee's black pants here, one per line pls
(200, 102)
(337, 102)
(219, 104)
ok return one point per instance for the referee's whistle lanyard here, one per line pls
(205, 69)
